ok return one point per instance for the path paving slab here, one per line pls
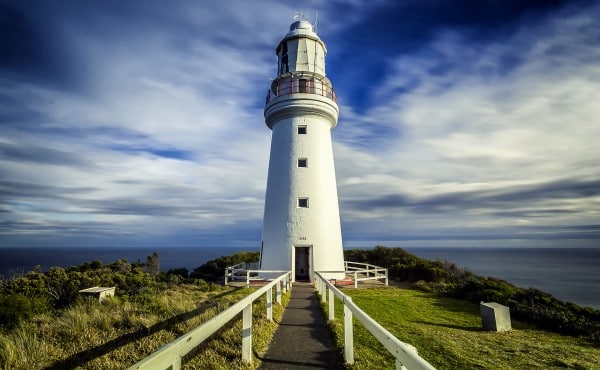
(302, 339)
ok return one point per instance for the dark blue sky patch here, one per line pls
(360, 60)
(367, 136)
(169, 153)
(33, 51)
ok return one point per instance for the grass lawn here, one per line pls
(447, 333)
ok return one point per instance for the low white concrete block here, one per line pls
(495, 317)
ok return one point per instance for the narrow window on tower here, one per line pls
(302, 202)
(301, 130)
(303, 85)
(302, 162)
(285, 67)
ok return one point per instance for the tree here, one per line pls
(153, 264)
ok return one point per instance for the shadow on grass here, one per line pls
(451, 326)
(80, 358)
(456, 305)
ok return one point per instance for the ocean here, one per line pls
(570, 274)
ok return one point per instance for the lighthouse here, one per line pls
(301, 224)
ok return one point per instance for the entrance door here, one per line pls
(302, 266)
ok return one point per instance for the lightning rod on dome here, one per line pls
(300, 15)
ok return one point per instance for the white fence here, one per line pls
(169, 356)
(246, 271)
(363, 272)
(405, 354)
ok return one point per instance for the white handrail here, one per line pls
(406, 355)
(249, 275)
(170, 355)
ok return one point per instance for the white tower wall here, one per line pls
(301, 226)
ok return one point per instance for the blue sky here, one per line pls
(141, 122)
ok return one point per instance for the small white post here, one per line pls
(355, 279)
(278, 292)
(176, 363)
(331, 308)
(348, 334)
(323, 292)
(399, 365)
(269, 296)
(247, 334)
(247, 278)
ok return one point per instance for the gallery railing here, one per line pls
(300, 85)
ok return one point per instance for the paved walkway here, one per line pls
(301, 340)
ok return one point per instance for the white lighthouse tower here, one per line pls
(301, 225)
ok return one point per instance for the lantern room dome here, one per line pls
(302, 28)
(301, 25)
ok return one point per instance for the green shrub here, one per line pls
(214, 270)
(15, 308)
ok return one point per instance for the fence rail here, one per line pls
(170, 355)
(245, 272)
(364, 271)
(406, 355)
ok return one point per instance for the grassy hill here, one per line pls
(448, 280)
(45, 324)
(447, 333)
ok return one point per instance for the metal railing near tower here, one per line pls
(170, 355)
(301, 84)
(406, 355)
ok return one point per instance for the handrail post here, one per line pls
(247, 278)
(355, 279)
(269, 296)
(348, 334)
(278, 292)
(247, 334)
(331, 307)
(176, 363)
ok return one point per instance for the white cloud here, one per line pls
(482, 117)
